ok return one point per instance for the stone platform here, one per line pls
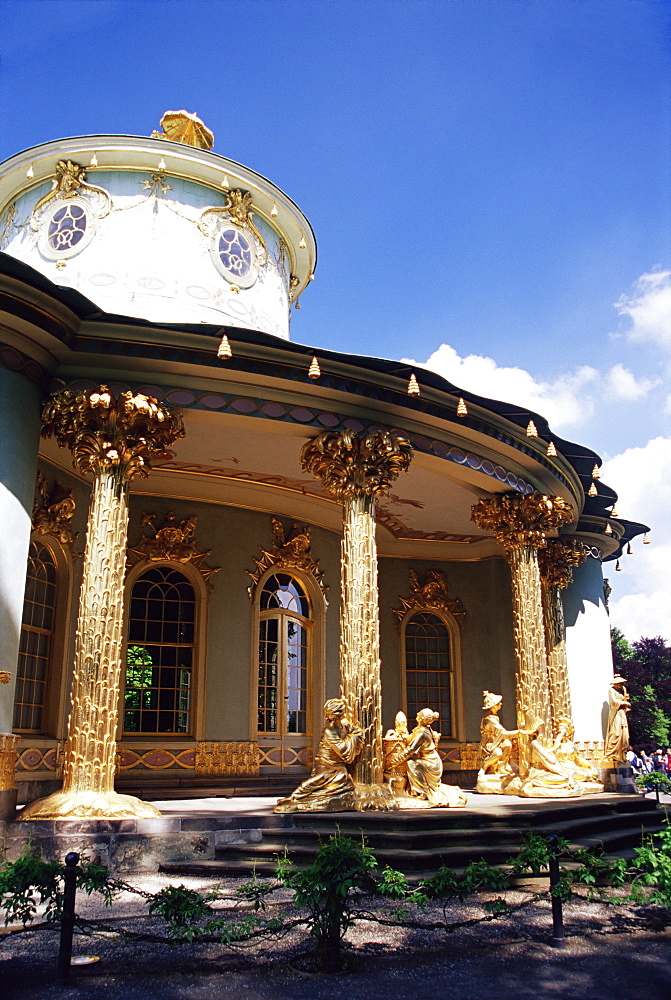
(233, 836)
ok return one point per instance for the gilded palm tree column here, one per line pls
(112, 440)
(356, 468)
(520, 522)
(556, 563)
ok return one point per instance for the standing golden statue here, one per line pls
(394, 745)
(330, 787)
(617, 735)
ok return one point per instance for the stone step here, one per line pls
(425, 851)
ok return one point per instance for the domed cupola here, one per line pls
(160, 228)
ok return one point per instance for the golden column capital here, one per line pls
(558, 558)
(352, 465)
(518, 519)
(104, 433)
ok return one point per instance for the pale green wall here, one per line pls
(488, 656)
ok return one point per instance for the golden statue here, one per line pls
(330, 787)
(497, 769)
(425, 766)
(395, 743)
(617, 735)
(542, 773)
(565, 749)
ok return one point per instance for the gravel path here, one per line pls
(611, 952)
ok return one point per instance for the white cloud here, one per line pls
(567, 401)
(641, 600)
(562, 402)
(623, 384)
(649, 308)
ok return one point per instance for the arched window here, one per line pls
(160, 655)
(37, 632)
(284, 652)
(429, 670)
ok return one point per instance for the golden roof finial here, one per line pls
(182, 126)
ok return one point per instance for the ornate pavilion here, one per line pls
(209, 529)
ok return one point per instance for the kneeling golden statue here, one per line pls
(330, 787)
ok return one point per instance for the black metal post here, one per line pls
(558, 939)
(67, 916)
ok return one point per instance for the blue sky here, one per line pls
(488, 181)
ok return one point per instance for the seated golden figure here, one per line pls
(586, 776)
(497, 770)
(425, 766)
(543, 775)
(330, 787)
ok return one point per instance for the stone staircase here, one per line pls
(419, 842)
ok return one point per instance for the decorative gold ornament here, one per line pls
(273, 211)
(646, 538)
(70, 182)
(429, 596)
(330, 787)
(93, 162)
(314, 370)
(174, 541)
(184, 127)
(53, 510)
(551, 450)
(413, 386)
(5, 676)
(238, 210)
(531, 430)
(613, 511)
(30, 173)
(618, 568)
(226, 759)
(114, 440)
(558, 558)
(357, 468)
(224, 352)
(302, 243)
(462, 409)
(596, 472)
(157, 185)
(469, 756)
(105, 433)
(351, 465)
(521, 519)
(608, 530)
(629, 549)
(8, 755)
(592, 492)
(291, 551)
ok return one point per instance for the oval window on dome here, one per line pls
(234, 254)
(67, 228)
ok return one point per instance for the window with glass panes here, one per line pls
(428, 670)
(37, 630)
(160, 656)
(283, 656)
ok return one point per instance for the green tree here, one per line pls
(646, 664)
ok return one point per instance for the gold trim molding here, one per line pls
(8, 757)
